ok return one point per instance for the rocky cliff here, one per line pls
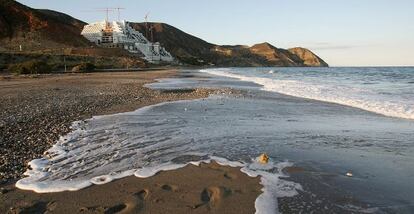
(308, 57)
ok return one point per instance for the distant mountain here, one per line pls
(193, 50)
(47, 30)
(276, 56)
(37, 29)
(308, 57)
(292, 57)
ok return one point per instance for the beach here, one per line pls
(36, 110)
(135, 108)
(209, 188)
(190, 143)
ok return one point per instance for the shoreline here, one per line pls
(35, 112)
(206, 190)
(322, 185)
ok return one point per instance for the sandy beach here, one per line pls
(210, 188)
(36, 110)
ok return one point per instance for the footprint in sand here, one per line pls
(143, 194)
(120, 208)
(168, 187)
(133, 204)
(212, 196)
(37, 207)
(230, 175)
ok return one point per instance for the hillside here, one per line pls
(47, 31)
(37, 29)
(193, 50)
(174, 40)
(308, 57)
(276, 56)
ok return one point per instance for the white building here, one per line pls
(121, 34)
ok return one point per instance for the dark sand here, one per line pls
(35, 111)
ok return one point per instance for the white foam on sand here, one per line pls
(348, 96)
(273, 186)
(150, 140)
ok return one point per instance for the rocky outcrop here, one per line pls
(308, 57)
(275, 56)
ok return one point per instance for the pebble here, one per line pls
(32, 119)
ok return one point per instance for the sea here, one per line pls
(347, 131)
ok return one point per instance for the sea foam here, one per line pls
(340, 94)
(158, 138)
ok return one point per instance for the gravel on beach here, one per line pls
(35, 111)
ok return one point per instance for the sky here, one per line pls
(342, 32)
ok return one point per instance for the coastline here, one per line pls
(37, 110)
(319, 167)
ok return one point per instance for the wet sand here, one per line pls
(209, 188)
(35, 111)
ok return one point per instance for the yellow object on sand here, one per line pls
(263, 159)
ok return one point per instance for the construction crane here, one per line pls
(119, 11)
(148, 29)
(146, 24)
(106, 10)
(146, 17)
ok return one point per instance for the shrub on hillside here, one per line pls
(30, 67)
(84, 67)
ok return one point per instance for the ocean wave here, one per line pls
(348, 96)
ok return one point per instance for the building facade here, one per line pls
(121, 35)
